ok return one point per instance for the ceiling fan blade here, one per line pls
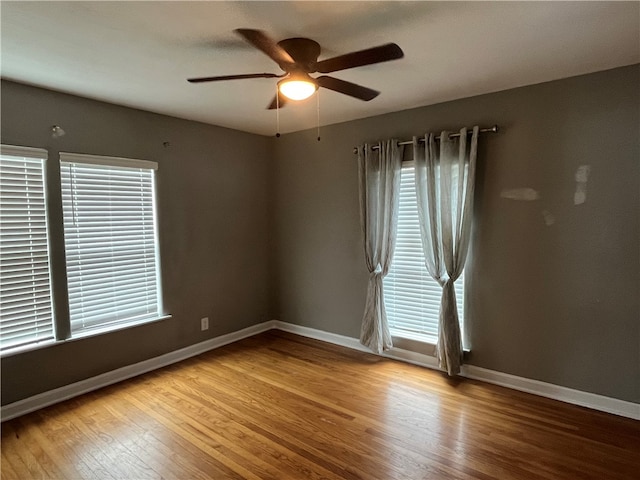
(348, 88)
(263, 42)
(383, 53)
(279, 101)
(234, 77)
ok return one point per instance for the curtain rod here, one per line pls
(493, 129)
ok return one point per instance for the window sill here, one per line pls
(29, 348)
(417, 343)
(80, 336)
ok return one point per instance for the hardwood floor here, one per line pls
(279, 406)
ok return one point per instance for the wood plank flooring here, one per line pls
(279, 406)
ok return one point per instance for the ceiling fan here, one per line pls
(298, 57)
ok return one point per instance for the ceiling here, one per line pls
(139, 54)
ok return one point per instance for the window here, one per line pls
(26, 314)
(110, 241)
(412, 297)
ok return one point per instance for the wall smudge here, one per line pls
(582, 176)
(549, 218)
(523, 194)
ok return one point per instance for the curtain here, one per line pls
(379, 173)
(445, 180)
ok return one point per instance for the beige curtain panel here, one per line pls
(445, 178)
(379, 173)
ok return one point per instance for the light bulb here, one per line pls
(297, 89)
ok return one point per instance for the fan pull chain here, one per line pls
(277, 112)
(318, 110)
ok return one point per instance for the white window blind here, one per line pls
(26, 314)
(110, 241)
(412, 297)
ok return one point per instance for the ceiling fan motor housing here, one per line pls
(304, 52)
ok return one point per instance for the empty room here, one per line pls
(377, 240)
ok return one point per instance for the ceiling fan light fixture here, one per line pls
(298, 57)
(297, 87)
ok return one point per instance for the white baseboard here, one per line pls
(556, 392)
(36, 402)
(328, 337)
(536, 387)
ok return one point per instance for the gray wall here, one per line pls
(557, 303)
(213, 228)
(254, 228)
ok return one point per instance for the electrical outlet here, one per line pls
(204, 323)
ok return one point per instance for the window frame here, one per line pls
(36, 155)
(117, 166)
(432, 325)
